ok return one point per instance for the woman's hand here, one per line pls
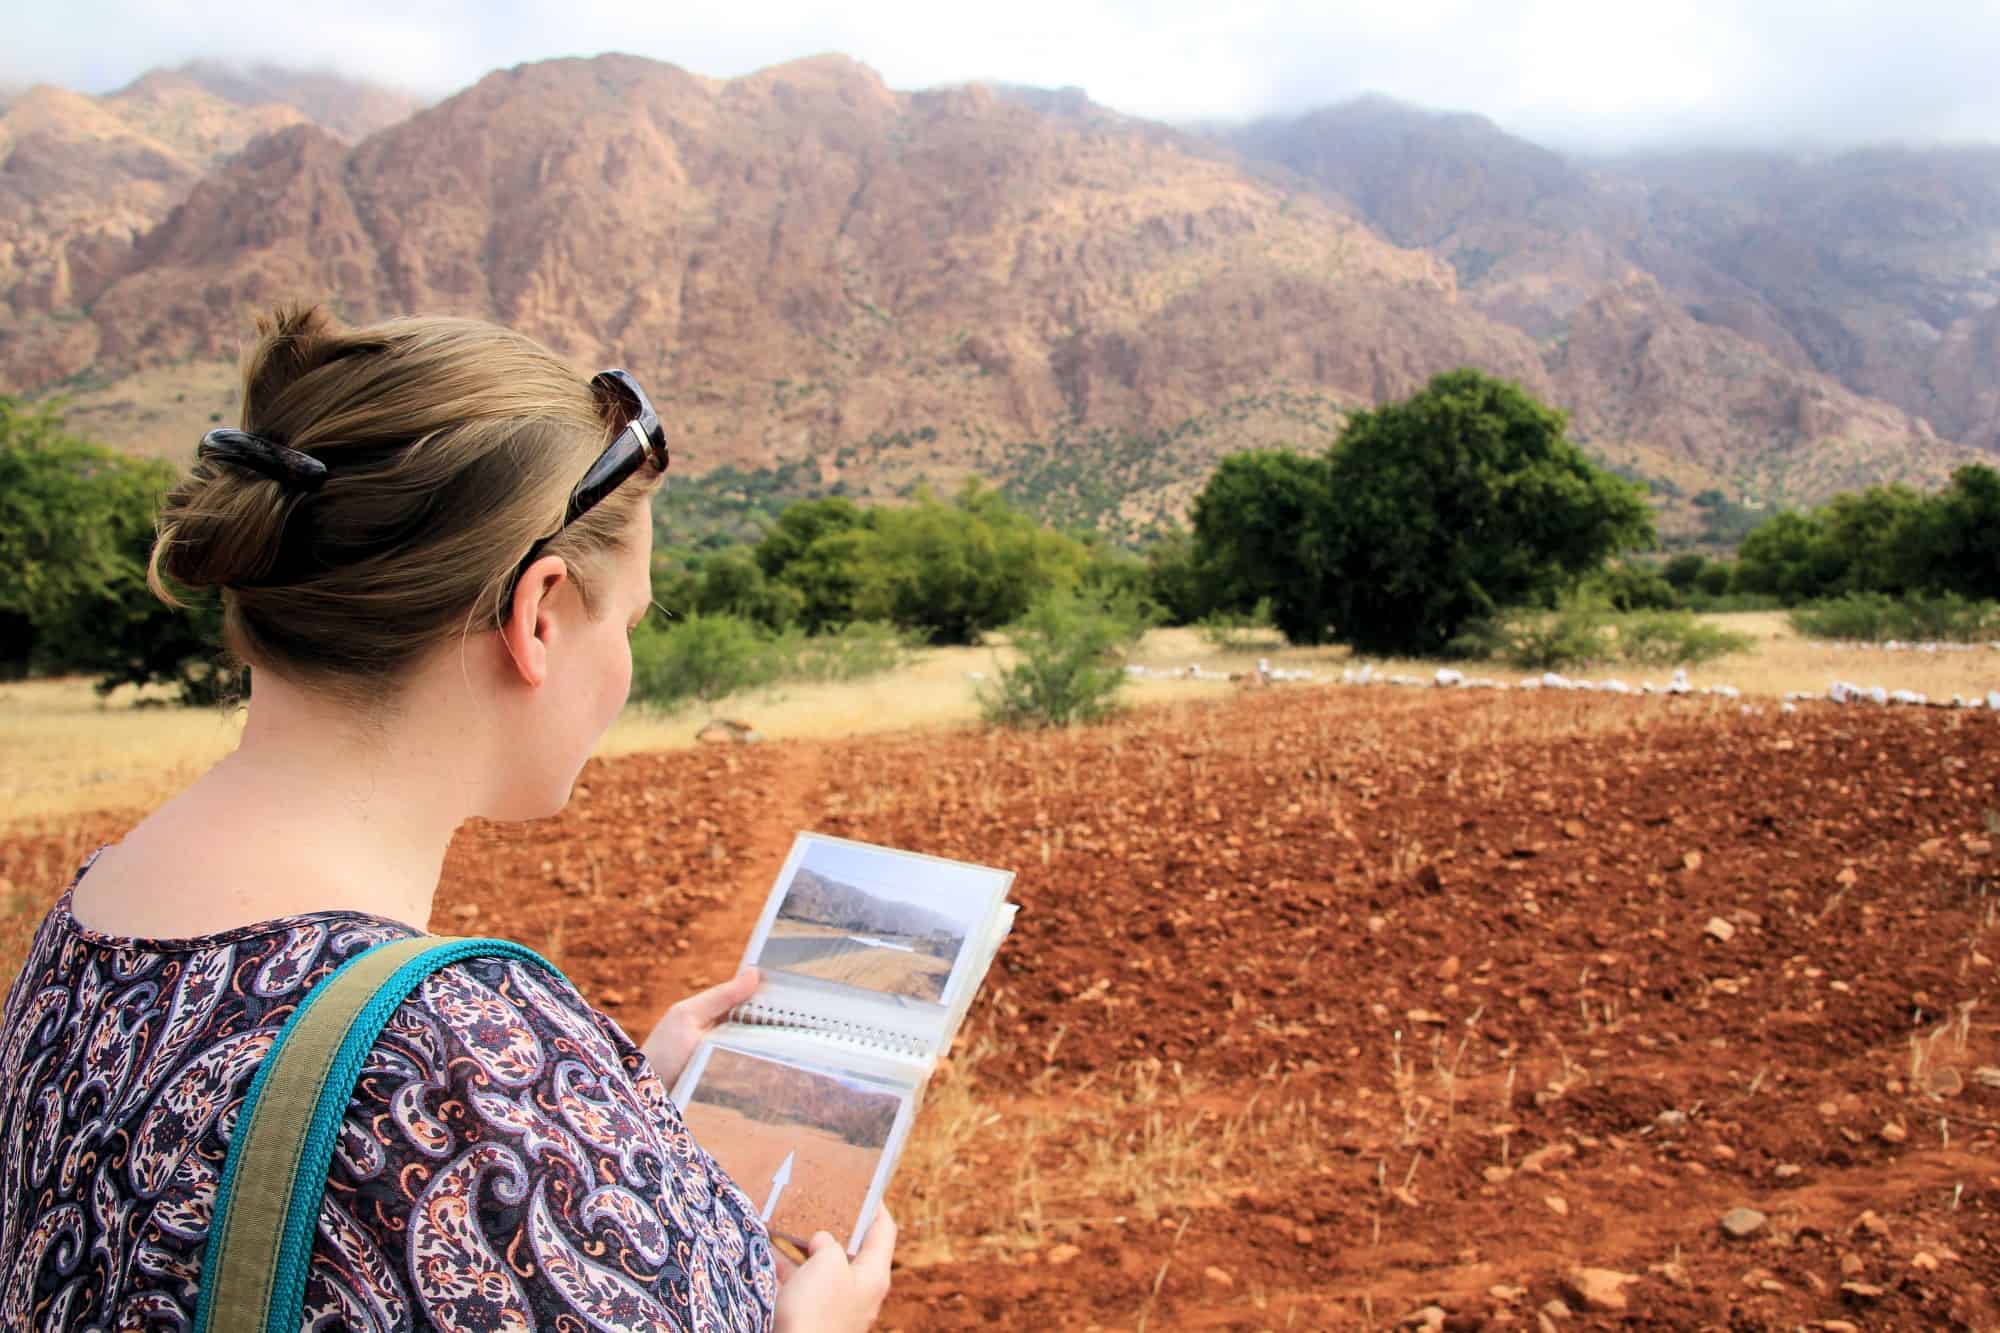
(684, 1025)
(827, 1294)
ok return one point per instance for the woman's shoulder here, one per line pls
(498, 1096)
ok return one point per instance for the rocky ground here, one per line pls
(1332, 1009)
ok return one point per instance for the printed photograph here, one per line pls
(881, 920)
(804, 1144)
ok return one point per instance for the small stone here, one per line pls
(1692, 861)
(1742, 1223)
(1674, 1275)
(1448, 970)
(1851, 1265)
(1555, 1309)
(1720, 929)
(1574, 829)
(1430, 1317)
(1541, 1159)
(1771, 1284)
(1377, 924)
(1544, 1324)
(1426, 1018)
(1839, 1326)
(1062, 1254)
(1557, 1204)
(1500, 1291)
(1924, 1263)
(1218, 1277)
(1788, 1170)
(1871, 1222)
(1303, 1235)
(1893, 1132)
(1598, 1288)
(1861, 1291)
(1498, 1175)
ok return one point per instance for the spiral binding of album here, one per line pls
(866, 1036)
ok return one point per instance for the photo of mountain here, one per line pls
(870, 918)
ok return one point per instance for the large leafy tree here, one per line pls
(76, 526)
(1264, 528)
(1426, 515)
(1462, 500)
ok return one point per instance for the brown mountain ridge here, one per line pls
(804, 263)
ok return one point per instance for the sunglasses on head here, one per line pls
(641, 440)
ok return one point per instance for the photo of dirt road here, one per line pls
(873, 918)
(810, 1139)
(893, 967)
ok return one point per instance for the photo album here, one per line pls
(870, 958)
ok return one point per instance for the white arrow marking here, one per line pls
(781, 1178)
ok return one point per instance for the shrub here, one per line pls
(1876, 617)
(1630, 585)
(700, 659)
(1574, 634)
(1676, 638)
(1069, 661)
(853, 652)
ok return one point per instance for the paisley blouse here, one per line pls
(508, 1161)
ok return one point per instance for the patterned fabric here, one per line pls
(508, 1161)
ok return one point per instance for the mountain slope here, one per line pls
(804, 264)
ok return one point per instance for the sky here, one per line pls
(1581, 75)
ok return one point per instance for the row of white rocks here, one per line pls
(1840, 692)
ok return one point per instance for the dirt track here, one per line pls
(1326, 1006)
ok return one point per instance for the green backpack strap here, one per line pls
(253, 1271)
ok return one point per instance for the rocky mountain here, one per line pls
(829, 902)
(804, 263)
(1879, 270)
(82, 179)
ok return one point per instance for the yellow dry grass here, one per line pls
(64, 750)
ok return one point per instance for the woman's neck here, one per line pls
(315, 811)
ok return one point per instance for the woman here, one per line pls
(431, 558)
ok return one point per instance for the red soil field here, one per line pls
(1335, 1008)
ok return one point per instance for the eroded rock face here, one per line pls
(1878, 269)
(805, 261)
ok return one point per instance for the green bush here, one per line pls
(700, 659)
(1876, 618)
(852, 652)
(1069, 661)
(1676, 638)
(1631, 585)
(1574, 634)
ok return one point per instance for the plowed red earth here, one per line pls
(1328, 1006)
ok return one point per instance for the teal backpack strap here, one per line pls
(253, 1271)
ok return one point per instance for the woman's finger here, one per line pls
(704, 1009)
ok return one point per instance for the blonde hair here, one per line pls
(451, 447)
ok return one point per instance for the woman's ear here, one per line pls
(530, 628)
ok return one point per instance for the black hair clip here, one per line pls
(290, 468)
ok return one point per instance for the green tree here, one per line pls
(1958, 537)
(1788, 557)
(1460, 501)
(1264, 531)
(76, 527)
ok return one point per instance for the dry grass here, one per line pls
(64, 750)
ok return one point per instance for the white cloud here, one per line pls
(1572, 72)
